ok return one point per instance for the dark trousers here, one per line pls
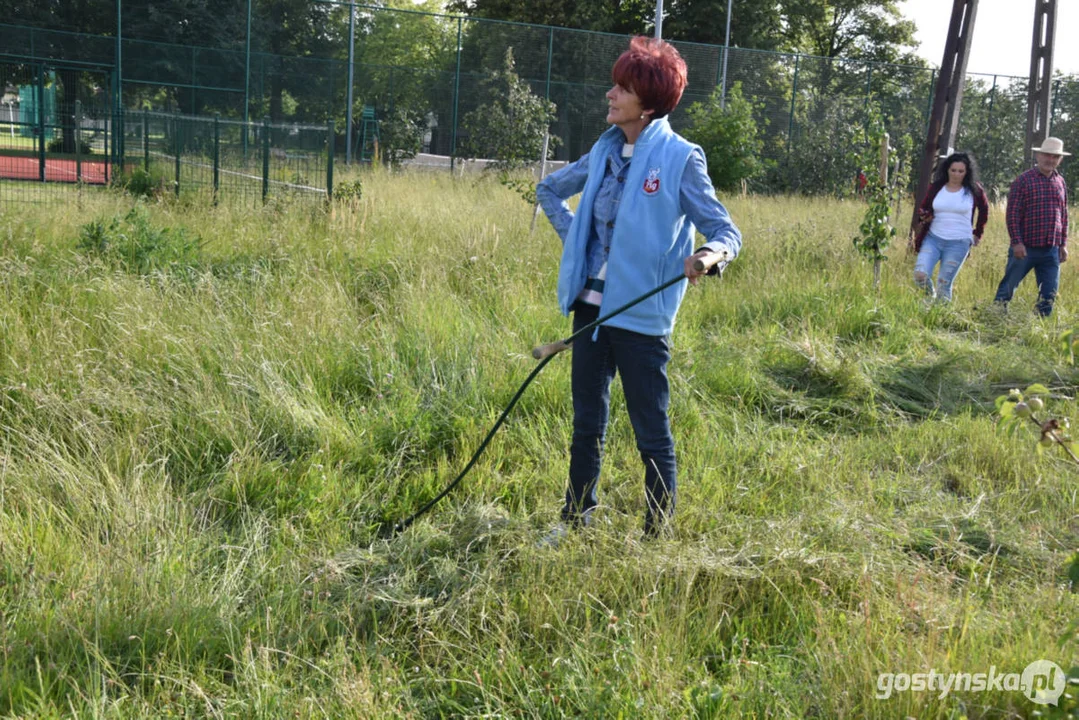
(641, 360)
(1045, 262)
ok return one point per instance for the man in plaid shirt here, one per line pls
(1038, 226)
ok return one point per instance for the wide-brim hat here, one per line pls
(1052, 146)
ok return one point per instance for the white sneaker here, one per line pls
(554, 537)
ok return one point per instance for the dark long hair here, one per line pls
(970, 181)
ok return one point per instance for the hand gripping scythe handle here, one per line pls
(700, 265)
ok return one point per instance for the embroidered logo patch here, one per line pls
(651, 183)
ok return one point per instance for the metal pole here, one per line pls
(659, 19)
(1041, 75)
(119, 56)
(176, 142)
(948, 96)
(330, 142)
(351, 63)
(543, 174)
(247, 79)
(78, 150)
(550, 60)
(992, 96)
(217, 154)
(41, 122)
(456, 97)
(726, 52)
(145, 141)
(108, 125)
(794, 96)
(265, 157)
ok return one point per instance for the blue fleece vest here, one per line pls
(651, 239)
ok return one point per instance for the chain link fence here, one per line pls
(415, 76)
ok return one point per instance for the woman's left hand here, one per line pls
(977, 239)
(691, 273)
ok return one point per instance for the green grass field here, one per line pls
(207, 416)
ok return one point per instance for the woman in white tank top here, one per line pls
(948, 230)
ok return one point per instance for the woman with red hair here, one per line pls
(644, 191)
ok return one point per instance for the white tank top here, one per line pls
(952, 214)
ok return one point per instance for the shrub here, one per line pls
(350, 190)
(729, 137)
(140, 183)
(134, 245)
(400, 135)
(56, 145)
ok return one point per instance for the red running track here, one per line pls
(56, 169)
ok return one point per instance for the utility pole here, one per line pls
(659, 19)
(1039, 98)
(944, 120)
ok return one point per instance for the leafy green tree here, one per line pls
(615, 16)
(856, 29)
(400, 135)
(755, 24)
(509, 126)
(876, 231)
(728, 136)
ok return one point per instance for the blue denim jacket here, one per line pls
(698, 199)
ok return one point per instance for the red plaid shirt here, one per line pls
(1038, 210)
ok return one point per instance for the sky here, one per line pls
(1003, 30)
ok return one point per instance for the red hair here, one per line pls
(654, 71)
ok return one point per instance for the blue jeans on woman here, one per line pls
(1045, 262)
(950, 254)
(642, 362)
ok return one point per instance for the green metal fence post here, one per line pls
(78, 144)
(247, 78)
(118, 123)
(330, 146)
(108, 158)
(41, 122)
(265, 158)
(217, 154)
(176, 139)
(456, 97)
(145, 141)
(550, 61)
(119, 141)
(790, 120)
(351, 68)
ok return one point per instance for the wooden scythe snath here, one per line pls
(1039, 100)
(948, 97)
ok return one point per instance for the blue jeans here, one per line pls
(950, 254)
(1045, 262)
(642, 362)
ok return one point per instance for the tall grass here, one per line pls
(209, 416)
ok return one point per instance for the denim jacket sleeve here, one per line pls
(704, 210)
(553, 191)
